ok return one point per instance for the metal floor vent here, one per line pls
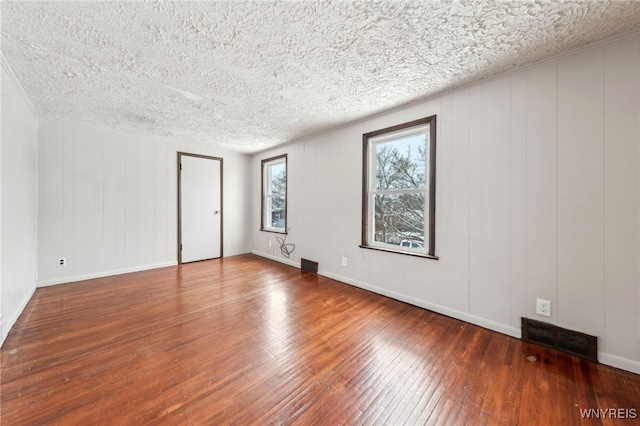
(572, 342)
(309, 265)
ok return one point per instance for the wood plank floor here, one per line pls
(245, 340)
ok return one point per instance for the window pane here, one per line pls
(399, 220)
(276, 212)
(398, 192)
(274, 194)
(277, 178)
(400, 163)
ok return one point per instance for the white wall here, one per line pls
(18, 174)
(538, 193)
(108, 201)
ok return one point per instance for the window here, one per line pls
(274, 194)
(398, 190)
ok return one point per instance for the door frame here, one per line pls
(179, 172)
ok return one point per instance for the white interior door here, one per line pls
(200, 208)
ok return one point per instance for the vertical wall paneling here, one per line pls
(110, 196)
(161, 247)
(172, 184)
(122, 190)
(4, 101)
(310, 180)
(40, 217)
(622, 137)
(4, 330)
(475, 200)
(18, 199)
(444, 199)
(109, 201)
(581, 192)
(132, 192)
(313, 167)
(350, 233)
(340, 196)
(69, 201)
(541, 190)
(83, 200)
(237, 202)
(432, 279)
(496, 158)
(51, 233)
(518, 201)
(293, 195)
(460, 140)
(98, 200)
(325, 210)
(146, 169)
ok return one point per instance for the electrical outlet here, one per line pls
(62, 261)
(543, 307)
(344, 261)
(269, 242)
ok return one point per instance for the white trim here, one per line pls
(472, 83)
(405, 133)
(277, 259)
(76, 278)
(17, 314)
(619, 362)
(463, 316)
(16, 82)
(603, 357)
(572, 52)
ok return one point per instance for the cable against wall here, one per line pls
(285, 249)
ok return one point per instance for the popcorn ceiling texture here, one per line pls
(246, 76)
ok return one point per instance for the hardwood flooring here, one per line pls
(245, 340)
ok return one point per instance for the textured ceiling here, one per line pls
(245, 76)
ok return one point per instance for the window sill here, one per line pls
(406, 253)
(273, 231)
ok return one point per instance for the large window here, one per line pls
(274, 194)
(398, 193)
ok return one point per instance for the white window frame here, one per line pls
(267, 196)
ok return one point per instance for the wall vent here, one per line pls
(309, 265)
(552, 336)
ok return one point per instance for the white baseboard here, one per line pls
(603, 357)
(463, 316)
(76, 278)
(23, 304)
(276, 258)
(619, 362)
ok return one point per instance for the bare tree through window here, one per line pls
(398, 191)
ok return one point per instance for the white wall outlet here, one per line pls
(543, 307)
(344, 261)
(269, 242)
(62, 261)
